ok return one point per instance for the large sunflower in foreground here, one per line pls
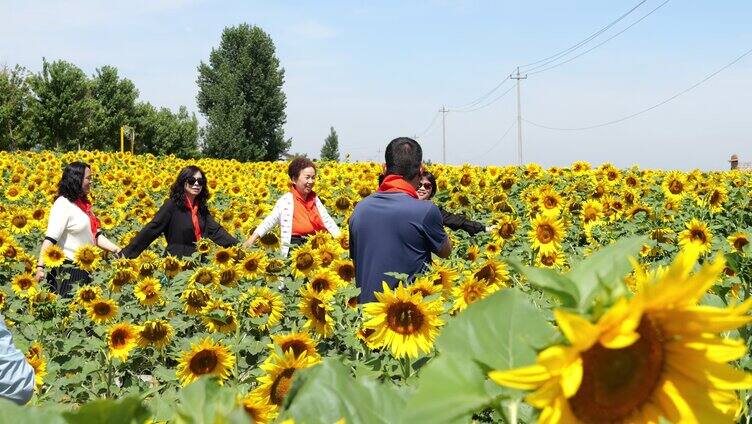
(122, 339)
(404, 322)
(205, 358)
(274, 385)
(696, 236)
(546, 234)
(656, 355)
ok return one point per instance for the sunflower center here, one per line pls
(320, 284)
(506, 230)
(119, 338)
(326, 258)
(222, 257)
(102, 309)
(281, 386)
(549, 259)
(88, 295)
(154, 332)
(715, 198)
(346, 272)
(261, 307)
(251, 265)
(404, 318)
(19, 221)
(487, 273)
(740, 242)
(197, 299)
(304, 261)
(544, 233)
(473, 293)
(203, 362)
(617, 382)
(675, 187)
(550, 202)
(317, 310)
(297, 347)
(269, 239)
(698, 235)
(204, 278)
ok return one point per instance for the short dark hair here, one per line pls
(403, 157)
(297, 165)
(72, 181)
(177, 190)
(432, 179)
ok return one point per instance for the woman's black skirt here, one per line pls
(61, 279)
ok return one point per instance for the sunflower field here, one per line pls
(599, 295)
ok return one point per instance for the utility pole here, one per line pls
(443, 111)
(519, 115)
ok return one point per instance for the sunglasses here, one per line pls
(194, 180)
(427, 186)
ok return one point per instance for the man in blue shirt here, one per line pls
(16, 375)
(391, 230)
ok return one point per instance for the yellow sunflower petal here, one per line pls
(712, 348)
(579, 331)
(525, 378)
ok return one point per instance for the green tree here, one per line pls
(116, 107)
(240, 93)
(330, 149)
(63, 110)
(162, 132)
(15, 104)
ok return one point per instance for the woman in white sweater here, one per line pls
(72, 224)
(299, 212)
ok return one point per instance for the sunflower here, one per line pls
(493, 272)
(262, 302)
(172, 266)
(304, 260)
(696, 236)
(470, 291)
(655, 356)
(87, 257)
(223, 256)
(444, 276)
(674, 186)
(324, 280)
(35, 358)
(204, 276)
(229, 275)
(20, 222)
(550, 202)
(148, 291)
(279, 371)
(253, 264)
(205, 358)
(53, 256)
(195, 298)
(259, 410)
(122, 339)
(24, 285)
(102, 311)
(553, 259)
(269, 240)
(328, 252)
(157, 333)
(505, 228)
(3, 298)
(404, 322)
(203, 246)
(219, 317)
(592, 211)
(87, 294)
(120, 278)
(298, 343)
(472, 253)
(546, 234)
(425, 287)
(316, 307)
(14, 192)
(738, 240)
(345, 270)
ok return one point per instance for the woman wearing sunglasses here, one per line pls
(184, 219)
(426, 191)
(298, 212)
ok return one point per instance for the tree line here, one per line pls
(240, 94)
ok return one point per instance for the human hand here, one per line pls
(40, 274)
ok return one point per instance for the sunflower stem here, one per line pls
(109, 375)
(513, 408)
(405, 367)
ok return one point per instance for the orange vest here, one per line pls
(305, 215)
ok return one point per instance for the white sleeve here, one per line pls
(271, 220)
(329, 223)
(58, 220)
(16, 375)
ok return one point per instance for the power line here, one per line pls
(616, 121)
(537, 70)
(586, 40)
(428, 128)
(500, 139)
(479, 99)
(494, 100)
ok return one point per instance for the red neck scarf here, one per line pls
(194, 218)
(85, 206)
(395, 183)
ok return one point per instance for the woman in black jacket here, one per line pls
(427, 189)
(184, 219)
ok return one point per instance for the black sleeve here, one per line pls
(217, 234)
(150, 232)
(460, 222)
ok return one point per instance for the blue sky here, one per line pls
(378, 70)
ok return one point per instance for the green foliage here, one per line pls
(15, 112)
(116, 106)
(330, 149)
(240, 92)
(162, 132)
